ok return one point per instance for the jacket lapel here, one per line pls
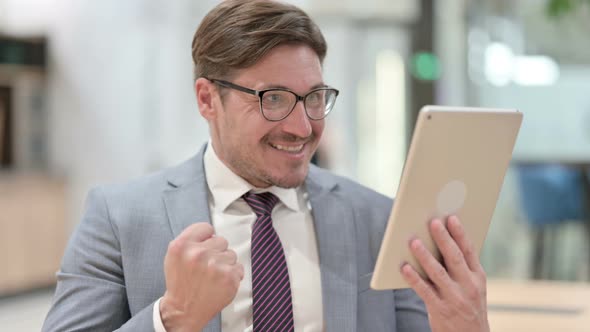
(336, 236)
(186, 203)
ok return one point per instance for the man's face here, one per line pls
(262, 152)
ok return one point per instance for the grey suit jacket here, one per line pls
(112, 270)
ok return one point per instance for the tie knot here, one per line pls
(262, 203)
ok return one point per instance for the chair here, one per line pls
(551, 194)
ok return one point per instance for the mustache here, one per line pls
(289, 138)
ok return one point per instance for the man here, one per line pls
(247, 236)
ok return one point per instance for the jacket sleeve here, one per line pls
(90, 293)
(410, 313)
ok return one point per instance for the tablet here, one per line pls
(455, 165)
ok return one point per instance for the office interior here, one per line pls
(95, 92)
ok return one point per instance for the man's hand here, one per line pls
(455, 296)
(202, 277)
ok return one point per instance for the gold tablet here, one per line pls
(456, 165)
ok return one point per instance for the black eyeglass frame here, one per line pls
(260, 93)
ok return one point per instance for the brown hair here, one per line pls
(238, 33)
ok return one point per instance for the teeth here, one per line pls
(288, 148)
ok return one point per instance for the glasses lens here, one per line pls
(277, 103)
(318, 103)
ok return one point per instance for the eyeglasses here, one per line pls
(276, 104)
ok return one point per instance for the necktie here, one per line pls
(272, 307)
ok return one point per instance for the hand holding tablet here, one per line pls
(447, 195)
(455, 293)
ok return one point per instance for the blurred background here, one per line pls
(93, 92)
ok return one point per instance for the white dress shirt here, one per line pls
(232, 219)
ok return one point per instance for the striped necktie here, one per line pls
(271, 290)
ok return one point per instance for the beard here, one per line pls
(259, 174)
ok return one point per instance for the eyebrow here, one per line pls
(277, 86)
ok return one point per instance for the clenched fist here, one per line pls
(202, 277)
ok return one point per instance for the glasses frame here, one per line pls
(260, 93)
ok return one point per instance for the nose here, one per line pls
(297, 123)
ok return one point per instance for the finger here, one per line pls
(197, 232)
(218, 243)
(237, 273)
(457, 231)
(424, 289)
(228, 257)
(231, 272)
(239, 270)
(452, 255)
(435, 271)
(196, 257)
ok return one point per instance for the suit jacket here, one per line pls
(112, 270)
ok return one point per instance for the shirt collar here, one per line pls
(226, 187)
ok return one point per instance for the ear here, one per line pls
(207, 98)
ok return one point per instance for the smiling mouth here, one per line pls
(292, 149)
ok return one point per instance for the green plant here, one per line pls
(558, 8)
